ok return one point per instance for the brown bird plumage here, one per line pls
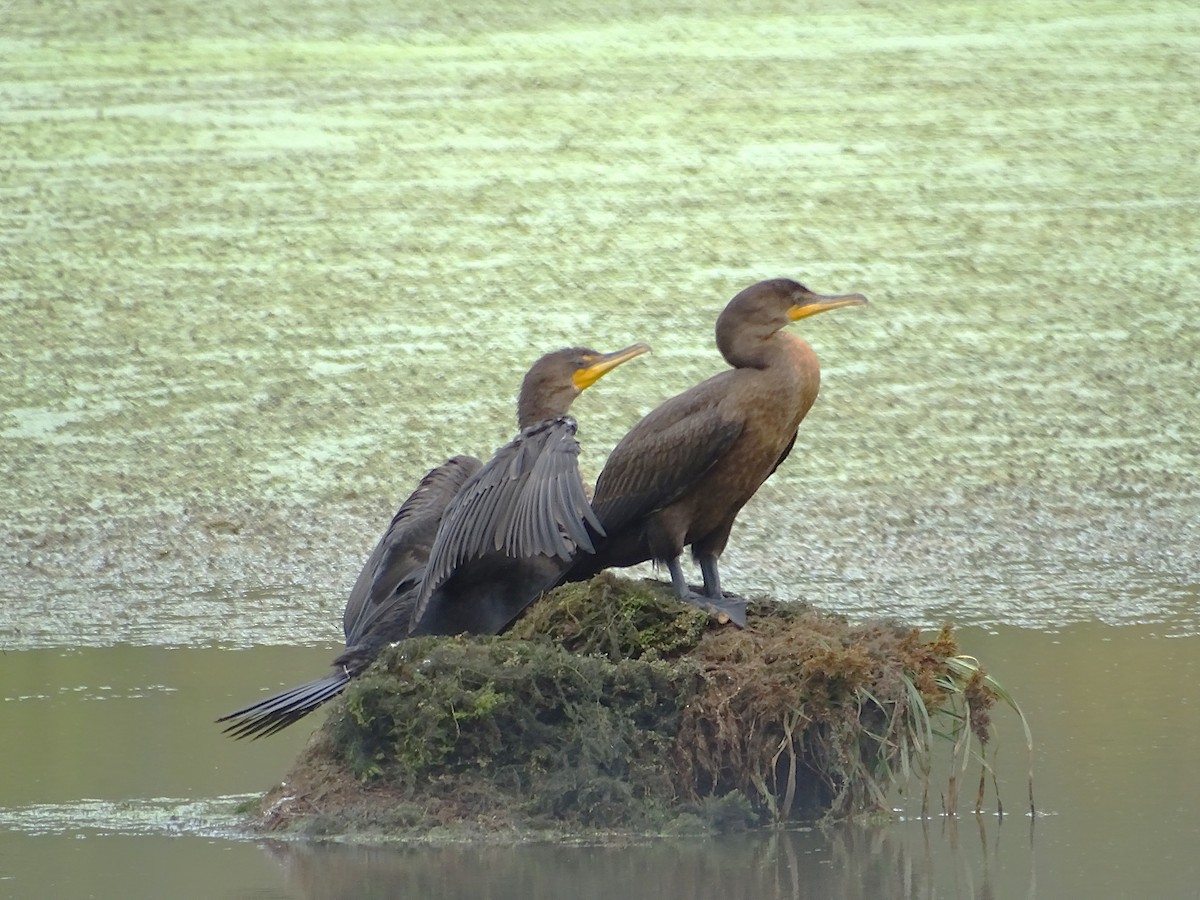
(683, 473)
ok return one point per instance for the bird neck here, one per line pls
(749, 350)
(535, 408)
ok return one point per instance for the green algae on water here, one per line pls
(613, 708)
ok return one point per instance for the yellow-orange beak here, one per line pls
(810, 304)
(603, 363)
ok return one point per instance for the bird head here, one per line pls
(764, 308)
(555, 380)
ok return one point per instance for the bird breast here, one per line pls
(771, 402)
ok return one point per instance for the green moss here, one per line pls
(613, 707)
(617, 618)
(564, 736)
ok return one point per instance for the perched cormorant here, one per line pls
(683, 473)
(474, 544)
(380, 605)
(516, 526)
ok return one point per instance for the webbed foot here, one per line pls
(726, 608)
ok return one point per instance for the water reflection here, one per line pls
(968, 860)
(921, 862)
(137, 867)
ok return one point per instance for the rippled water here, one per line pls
(261, 267)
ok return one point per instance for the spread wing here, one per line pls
(528, 500)
(397, 563)
(663, 456)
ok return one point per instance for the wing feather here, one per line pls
(398, 560)
(528, 500)
(663, 456)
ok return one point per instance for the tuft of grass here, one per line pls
(971, 695)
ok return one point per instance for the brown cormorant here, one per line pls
(683, 473)
(517, 525)
(474, 545)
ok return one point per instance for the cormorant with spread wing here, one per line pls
(474, 544)
(516, 526)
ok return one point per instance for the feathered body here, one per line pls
(520, 521)
(680, 477)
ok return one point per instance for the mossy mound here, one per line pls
(613, 707)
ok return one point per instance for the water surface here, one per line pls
(112, 761)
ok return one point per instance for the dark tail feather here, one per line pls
(270, 715)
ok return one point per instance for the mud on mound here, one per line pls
(613, 707)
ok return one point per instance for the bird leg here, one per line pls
(724, 609)
(712, 578)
